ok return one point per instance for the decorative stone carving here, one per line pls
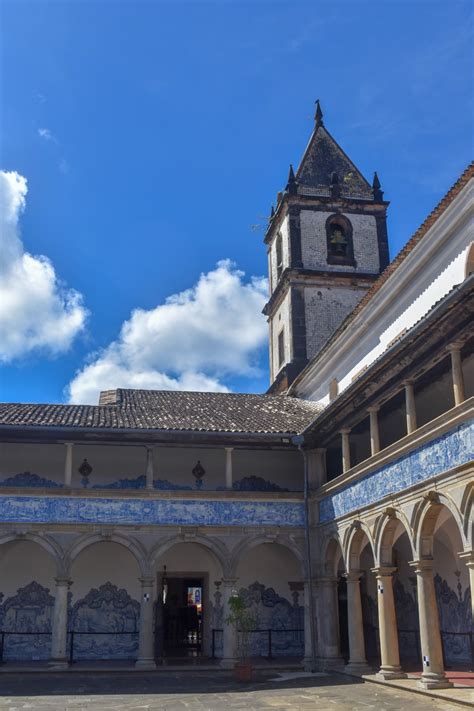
(29, 479)
(108, 609)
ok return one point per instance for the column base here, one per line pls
(309, 665)
(358, 668)
(58, 664)
(146, 663)
(331, 663)
(388, 672)
(228, 662)
(434, 681)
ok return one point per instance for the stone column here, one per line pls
(346, 450)
(228, 467)
(410, 406)
(457, 374)
(469, 558)
(390, 667)
(59, 655)
(308, 660)
(433, 676)
(374, 429)
(149, 468)
(357, 661)
(229, 646)
(146, 635)
(328, 623)
(317, 475)
(68, 464)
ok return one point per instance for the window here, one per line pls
(339, 240)
(281, 347)
(279, 255)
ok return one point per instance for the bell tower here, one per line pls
(326, 244)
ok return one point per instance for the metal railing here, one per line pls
(270, 637)
(8, 633)
(74, 633)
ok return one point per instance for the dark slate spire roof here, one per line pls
(170, 410)
(323, 157)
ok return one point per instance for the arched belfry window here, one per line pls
(339, 240)
(279, 255)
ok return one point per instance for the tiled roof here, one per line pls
(434, 215)
(170, 410)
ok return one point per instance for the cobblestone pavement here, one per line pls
(202, 692)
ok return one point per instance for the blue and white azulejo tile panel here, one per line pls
(55, 509)
(442, 454)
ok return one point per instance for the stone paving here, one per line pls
(203, 692)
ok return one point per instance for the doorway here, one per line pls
(183, 617)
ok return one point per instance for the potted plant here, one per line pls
(243, 622)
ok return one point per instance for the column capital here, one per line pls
(353, 576)
(468, 558)
(408, 383)
(147, 581)
(229, 449)
(67, 444)
(373, 408)
(422, 566)
(345, 431)
(454, 346)
(149, 447)
(229, 582)
(63, 581)
(384, 571)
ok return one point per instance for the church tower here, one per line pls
(326, 243)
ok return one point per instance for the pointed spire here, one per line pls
(291, 185)
(377, 192)
(318, 116)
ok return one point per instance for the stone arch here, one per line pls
(215, 547)
(253, 541)
(356, 539)
(331, 546)
(132, 545)
(51, 546)
(385, 530)
(467, 509)
(425, 518)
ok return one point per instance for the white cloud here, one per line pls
(191, 341)
(47, 135)
(36, 310)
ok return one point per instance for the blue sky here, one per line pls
(153, 137)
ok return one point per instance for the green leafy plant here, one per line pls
(243, 622)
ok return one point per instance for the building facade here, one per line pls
(339, 504)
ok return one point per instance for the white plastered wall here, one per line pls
(22, 562)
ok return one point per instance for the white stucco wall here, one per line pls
(175, 464)
(102, 563)
(271, 565)
(280, 320)
(314, 242)
(284, 231)
(21, 562)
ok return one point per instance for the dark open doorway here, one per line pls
(183, 617)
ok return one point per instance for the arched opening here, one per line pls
(396, 551)
(189, 600)
(365, 635)
(340, 249)
(27, 588)
(453, 593)
(270, 578)
(333, 605)
(104, 612)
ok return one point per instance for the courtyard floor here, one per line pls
(204, 691)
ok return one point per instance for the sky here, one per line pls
(143, 143)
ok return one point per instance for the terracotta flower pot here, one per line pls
(243, 671)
